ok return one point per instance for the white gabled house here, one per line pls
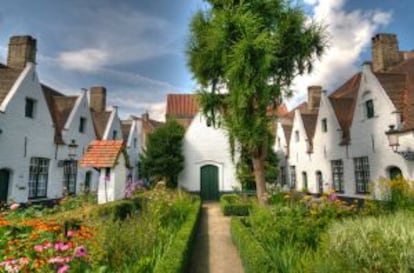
(26, 127)
(131, 130)
(348, 140)
(208, 168)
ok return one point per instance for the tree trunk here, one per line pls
(259, 175)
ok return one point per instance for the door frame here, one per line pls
(319, 181)
(218, 168)
(9, 173)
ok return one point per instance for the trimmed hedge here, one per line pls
(253, 256)
(177, 256)
(233, 205)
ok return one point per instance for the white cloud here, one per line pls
(349, 35)
(119, 36)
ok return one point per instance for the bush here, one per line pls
(234, 205)
(372, 244)
(252, 254)
(178, 254)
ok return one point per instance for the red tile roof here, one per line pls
(102, 153)
(181, 106)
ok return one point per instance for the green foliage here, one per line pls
(235, 205)
(254, 48)
(372, 244)
(254, 257)
(178, 254)
(163, 159)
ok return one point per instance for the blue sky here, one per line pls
(137, 48)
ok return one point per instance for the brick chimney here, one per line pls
(314, 97)
(385, 52)
(97, 98)
(22, 49)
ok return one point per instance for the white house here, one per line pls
(131, 130)
(208, 169)
(26, 127)
(74, 130)
(110, 158)
(347, 144)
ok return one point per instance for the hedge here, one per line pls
(233, 205)
(253, 256)
(178, 254)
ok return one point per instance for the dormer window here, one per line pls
(324, 125)
(297, 136)
(30, 108)
(82, 125)
(369, 108)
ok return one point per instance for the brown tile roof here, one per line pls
(309, 122)
(8, 77)
(394, 85)
(126, 129)
(407, 67)
(343, 102)
(100, 121)
(60, 107)
(102, 153)
(181, 105)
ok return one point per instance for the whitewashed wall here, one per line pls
(17, 129)
(205, 145)
(114, 188)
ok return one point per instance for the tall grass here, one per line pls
(372, 244)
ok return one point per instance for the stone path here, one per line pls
(214, 251)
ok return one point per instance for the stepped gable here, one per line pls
(60, 107)
(8, 76)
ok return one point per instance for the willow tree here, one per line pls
(254, 49)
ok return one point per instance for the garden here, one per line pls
(299, 233)
(151, 231)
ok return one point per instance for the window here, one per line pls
(283, 176)
(369, 108)
(30, 108)
(297, 136)
(324, 125)
(361, 166)
(38, 176)
(70, 172)
(82, 125)
(305, 180)
(293, 177)
(279, 144)
(114, 134)
(338, 175)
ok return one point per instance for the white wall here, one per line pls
(203, 145)
(115, 186)
(114, 123)
(38, 133)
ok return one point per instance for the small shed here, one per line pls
(109, 157)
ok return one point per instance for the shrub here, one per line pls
(252, 254)
(372, 244)
(178, 254)
(233, 204)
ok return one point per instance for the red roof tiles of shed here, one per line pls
(102, 153)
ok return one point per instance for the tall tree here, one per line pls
(163, 158)
(254, 48)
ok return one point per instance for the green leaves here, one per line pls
(163, 157)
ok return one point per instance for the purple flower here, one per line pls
(64, 268)
(80, 251)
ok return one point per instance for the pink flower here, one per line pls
(38, 248)
(333, 197)
(24, 261)
(63, 268)
(62, 246)
(70, 233)
(14, 206)
(47, 245)
(80, 251)
(56, 260)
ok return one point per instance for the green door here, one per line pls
(4, 185)
(209, 183)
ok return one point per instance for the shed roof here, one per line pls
(102, 153)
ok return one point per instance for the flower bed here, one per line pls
(123, 236)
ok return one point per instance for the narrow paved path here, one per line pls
(214, 251)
